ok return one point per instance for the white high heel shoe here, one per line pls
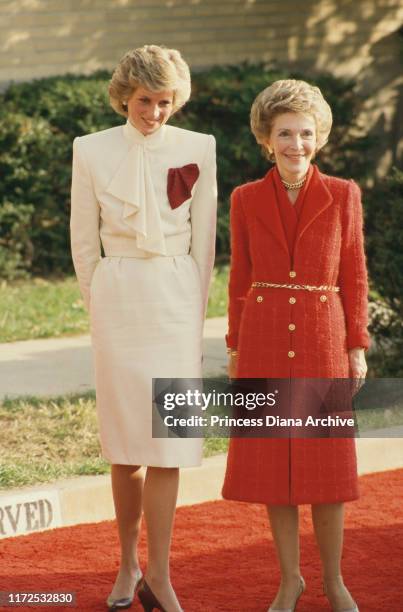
(302, 587)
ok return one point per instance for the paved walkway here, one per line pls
(64, 365)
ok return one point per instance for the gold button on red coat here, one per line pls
(259, 298)
(291, 327)
(292, 274)
(323, 298)
(292, 300)
(291, 354)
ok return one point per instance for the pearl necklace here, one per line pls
(297, 185)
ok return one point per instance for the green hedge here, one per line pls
(38, 121)
(385, 259)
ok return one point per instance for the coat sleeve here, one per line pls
(84, 223)
(353, 279)
(203, 213)
(241, 268)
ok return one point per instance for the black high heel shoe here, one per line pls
(124, 602)
(147, 598)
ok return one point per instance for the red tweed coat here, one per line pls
(284, 333)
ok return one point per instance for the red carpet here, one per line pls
(222, 557)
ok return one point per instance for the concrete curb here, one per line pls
(88, 499)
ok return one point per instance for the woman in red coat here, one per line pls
(297, 309)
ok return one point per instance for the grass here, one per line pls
(43, 440)
(218, 294)
(40, 308)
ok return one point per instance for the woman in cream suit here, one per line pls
(146, 193)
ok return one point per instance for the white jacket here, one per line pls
(119, 199)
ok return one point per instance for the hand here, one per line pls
(358, 367)
(232, 365)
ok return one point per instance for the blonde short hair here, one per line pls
(290, 96)
(154, 68)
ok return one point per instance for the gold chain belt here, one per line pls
(297, 287)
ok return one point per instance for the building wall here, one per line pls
(354, 38)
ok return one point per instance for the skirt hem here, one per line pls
(301, 502)
(159, 464)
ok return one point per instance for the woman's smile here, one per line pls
(151, 122)
(293, 157)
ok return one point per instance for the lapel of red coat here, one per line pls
(317, 199)
(266, 210)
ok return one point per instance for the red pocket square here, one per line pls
(180, 183)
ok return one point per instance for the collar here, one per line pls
(134, 136)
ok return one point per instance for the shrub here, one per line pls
(15, 243)
(38, 122)
(72, 105)
(385, 259)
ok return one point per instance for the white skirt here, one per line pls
(146, 322)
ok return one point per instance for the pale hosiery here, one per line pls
(159, 503)
(127, 489)
(157, 498)
(328, 523)
(284, 527)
